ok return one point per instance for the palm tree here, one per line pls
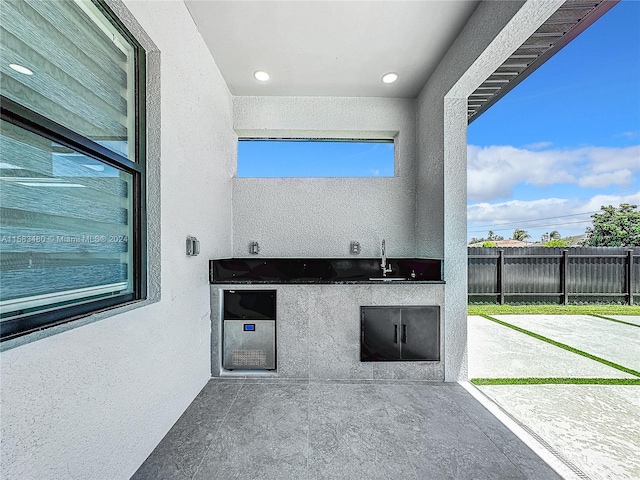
(521, 235)
(555, 235)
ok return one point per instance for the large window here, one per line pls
(315, 158)
(72, 177)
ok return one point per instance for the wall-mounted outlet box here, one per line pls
(355, 248)
(193, 246)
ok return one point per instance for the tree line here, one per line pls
(611, 227)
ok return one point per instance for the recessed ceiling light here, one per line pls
(260, 75)
(97, 168)
(41, 182)
(20, 69)
(389, 77)
(9, 166)
(61, 185)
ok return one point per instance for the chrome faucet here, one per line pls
(383, 263)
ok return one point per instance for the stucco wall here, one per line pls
(495, 30)
(93, 401)
(319, 217)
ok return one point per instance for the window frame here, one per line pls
(13, 112)
(327, 139)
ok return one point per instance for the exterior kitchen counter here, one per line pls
(329, 282)
(318, 327)
(324, 270)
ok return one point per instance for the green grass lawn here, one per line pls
(555, 381)
(603, 310)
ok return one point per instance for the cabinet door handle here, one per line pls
(404, 334)
(395, 334)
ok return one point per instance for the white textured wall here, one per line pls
(319, 217)
(93, 402)
(495, 30)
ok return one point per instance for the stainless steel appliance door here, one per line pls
(380, 334)
(420, 333)
(249, 344)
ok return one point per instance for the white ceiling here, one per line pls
(331, 47)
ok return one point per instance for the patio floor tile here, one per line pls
(340, 430)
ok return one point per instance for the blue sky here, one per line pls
(264, 158)
(566, 140)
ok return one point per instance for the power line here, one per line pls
(533, 226)
(536, 220)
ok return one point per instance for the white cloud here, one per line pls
(494, 171)
(619, 177)
(514, 210)
(538, 145)
(629, 135)
(568, 216)
(599, 201)
(611, 159)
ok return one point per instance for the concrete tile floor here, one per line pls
(263, 429)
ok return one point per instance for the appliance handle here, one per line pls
(395, 333)
(404, 333)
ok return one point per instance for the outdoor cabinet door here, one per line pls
(380, 330)
(420, 333)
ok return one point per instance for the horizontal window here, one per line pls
(315, 158)
(66, 224)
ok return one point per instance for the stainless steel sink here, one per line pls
(387, 279)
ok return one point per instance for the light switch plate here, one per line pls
(193, 246)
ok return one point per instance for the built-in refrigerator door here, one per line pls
(380, 330)
(420, 333)
(249, 345)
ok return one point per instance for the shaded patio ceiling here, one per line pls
(571, 19)
(329, 48)
(342, 48)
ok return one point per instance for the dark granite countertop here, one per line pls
(326, 282)
(322, 271)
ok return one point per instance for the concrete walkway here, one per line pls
(593, 428)
(635, 319)
(496, 351)
(612, 341)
